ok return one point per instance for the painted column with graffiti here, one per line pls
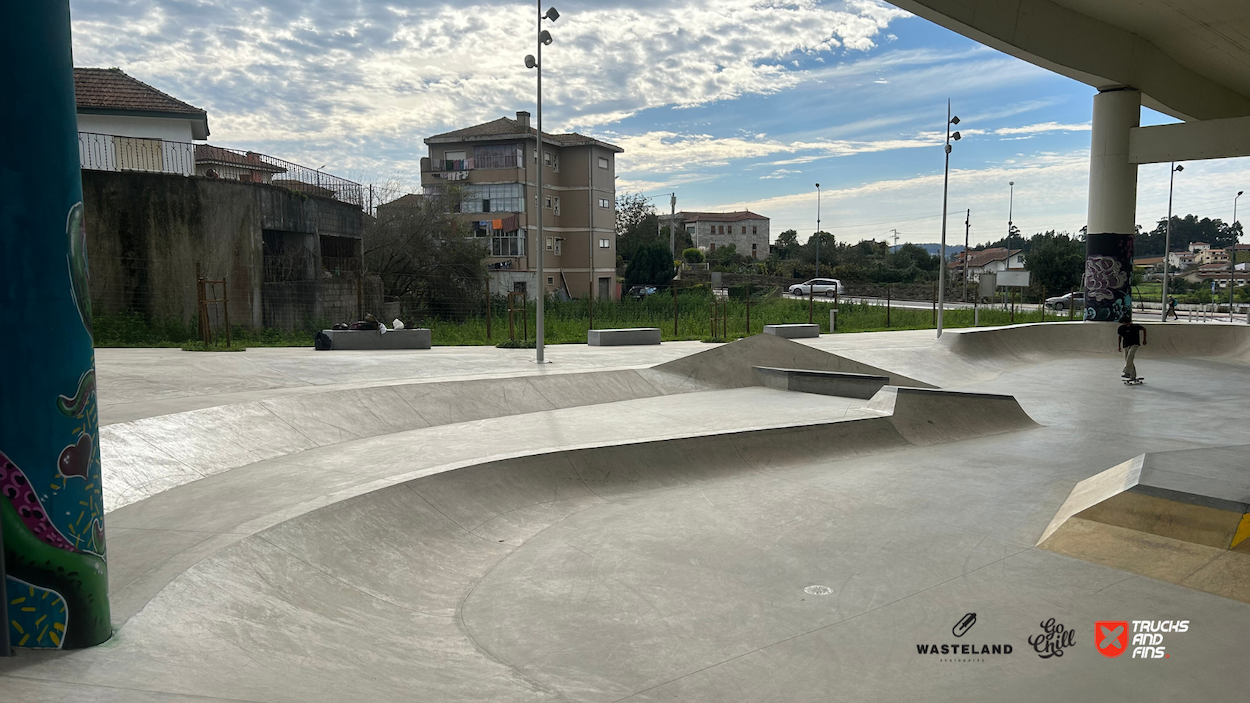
(51, 506)
(1108, 279)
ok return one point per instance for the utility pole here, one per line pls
(967, 228)
(895, 238)
(672, 224)
(817, 236)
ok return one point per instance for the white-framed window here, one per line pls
(605, 203)
(559, 242)
(491, 198)
(507, 243)
(551, 243)
(453, 155)
(605, 243)
(551, 160)
(551, 280)
(603, 162)
(553, 203)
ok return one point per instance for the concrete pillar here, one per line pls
(1112, 206)
(51, 504)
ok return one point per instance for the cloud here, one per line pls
(1044, 127)
(351, 71)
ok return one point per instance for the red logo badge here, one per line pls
(1111, 637)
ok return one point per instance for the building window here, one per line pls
(553, 203)
(755, 250)
(552, 160)
(755, 230)
(551, 280)
(551, 243)
(603, 163)
(491, 198)
(722, 229)
(604, 203)
(559, 241)
(605, 243)
(744, 229)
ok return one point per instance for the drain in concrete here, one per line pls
(818, 590)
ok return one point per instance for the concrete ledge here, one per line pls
(798, 331)
(837, 383)
(623, 337)
(372, 339)
(932, 416)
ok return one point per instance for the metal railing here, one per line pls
(108, 152)
(492, 161)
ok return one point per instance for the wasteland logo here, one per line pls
(1052, 640)
(962, 626)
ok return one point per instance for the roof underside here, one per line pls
(1189, 58)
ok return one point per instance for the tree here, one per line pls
(636, 225)
(692, 256)
(828, 249)
(651, 265)
(1186, 230)
(423, 254)
(1056, 262)
(788, 246)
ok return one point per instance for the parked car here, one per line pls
(1067, 300)
(827, 287)
(640, 292)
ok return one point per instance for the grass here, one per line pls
(198, 346)
(568, 322)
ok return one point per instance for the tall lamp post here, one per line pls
(543, 39)
(817, 232)
(950, 120)
(1167, 240)
(1232, 258)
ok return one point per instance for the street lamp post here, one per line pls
(817, 232)
(1167, 240)
(1232, 258)
(543, 39)
(946, 176)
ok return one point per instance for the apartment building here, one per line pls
(747, 231)
(495, 167)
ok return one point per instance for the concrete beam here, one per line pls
(1190, 141)
(1080, 47)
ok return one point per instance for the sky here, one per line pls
(731, 104)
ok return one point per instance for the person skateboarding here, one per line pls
(1130, 336)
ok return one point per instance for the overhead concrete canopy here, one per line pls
(1189, 58)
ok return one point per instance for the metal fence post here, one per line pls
(1071, 300)
(887, 305)
(674, 289)
(225, 311)
(749, 310)
(811, 293)
(487, 303)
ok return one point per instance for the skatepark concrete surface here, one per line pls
(645, 524)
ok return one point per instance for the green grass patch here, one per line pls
(222, 347)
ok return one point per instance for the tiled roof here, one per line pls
(719, 216)
(508, 128)
(206, 154)
(983, 257)
(108, 89)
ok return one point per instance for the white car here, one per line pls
(827, 287)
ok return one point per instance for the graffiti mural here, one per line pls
(51, 499)
(1108, 280)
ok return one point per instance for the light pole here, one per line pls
(1232, 257)
(946, 177)
(817, 232)
(1167, 240)
(543, 38)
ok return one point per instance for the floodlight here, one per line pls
(545, 37)
(552, 14)
(956, 136)
(530, 62)
(955, 119)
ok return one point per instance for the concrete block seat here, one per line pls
(796, 331)
(372, 339)
(623, 337)
(836, 383)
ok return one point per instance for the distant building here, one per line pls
(1180, 259)
(495, 166)
(1211, 256)
(1195, 247)
(747, 231)
(992, 260)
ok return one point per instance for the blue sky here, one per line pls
(730, 103)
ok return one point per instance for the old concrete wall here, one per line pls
(146, 231)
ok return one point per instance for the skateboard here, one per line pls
(1134, 381)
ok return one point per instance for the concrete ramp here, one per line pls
(1182, 517)
(1059, 339)
(732, 365)
(931, 416)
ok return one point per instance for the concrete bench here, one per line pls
(793, 331)
(418, 338)
(839, 383)
(623, 337)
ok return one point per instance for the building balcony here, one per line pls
(501, 169)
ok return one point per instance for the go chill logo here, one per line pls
(1112, 637)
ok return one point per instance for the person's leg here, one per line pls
(1130, 369)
